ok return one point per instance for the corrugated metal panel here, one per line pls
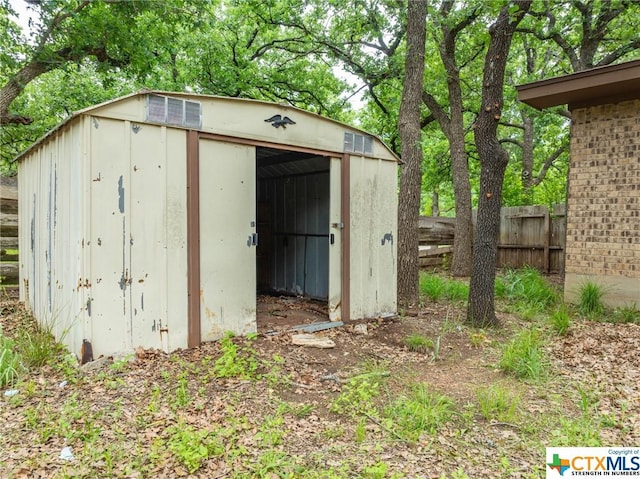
(51, 199)
(110, 302)
(176, 238)
(300, 215)
(147, 218)
(373, 237)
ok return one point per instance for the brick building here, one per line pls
(603, 204)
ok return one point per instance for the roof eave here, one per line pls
(596, 86)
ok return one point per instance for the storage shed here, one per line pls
(603, 214)
(152, 220)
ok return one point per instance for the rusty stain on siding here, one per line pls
(125, 280)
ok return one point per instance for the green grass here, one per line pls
(10, 363)
(418, 343)
(497, 402)
(37, 346)
(423, 410)
(626, 314)
(590, 299)
(438, 288)
(524, 356)
(560, 320)
(527, 289)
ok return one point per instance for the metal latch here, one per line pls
(338, 225)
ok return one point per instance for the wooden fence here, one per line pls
(529, 235)
(8, 231)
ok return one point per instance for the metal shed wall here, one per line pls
(105, 222)
(54, 204)
(105, 235)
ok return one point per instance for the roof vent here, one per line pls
(174, 111)
(357, 143)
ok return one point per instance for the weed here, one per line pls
(334, 432)
(626, 314)
(268, 462)
(569, 431)
(10, 364)
(422, 411)
(524, 357)
(436, 288)
(181, 393)
(375, 471)
(235, 362)
(588, 401)
(37, 346)
(560, 320)
(497, 402)
(358, 396)
(270, 433)
(418, 343)
(457, 474)
(298, 410)
(528, 289)
(192, 446)
(360, 432)
(590, 302)
(477, 338)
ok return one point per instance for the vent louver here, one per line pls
(174, 111)
(356, 143)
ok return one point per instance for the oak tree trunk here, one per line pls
(493, 161)
(411, 174)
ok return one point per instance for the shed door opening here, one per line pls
(298, 201)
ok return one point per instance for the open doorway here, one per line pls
(293, 192)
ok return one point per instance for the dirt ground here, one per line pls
(601, 358)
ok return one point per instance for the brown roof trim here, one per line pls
(608, 84)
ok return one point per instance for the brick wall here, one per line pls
(603, 217)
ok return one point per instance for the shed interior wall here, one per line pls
(293, 224)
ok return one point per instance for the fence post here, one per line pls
(547, 238)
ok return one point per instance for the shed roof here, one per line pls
(104, 107)
(597, 86)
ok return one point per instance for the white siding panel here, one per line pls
(335, 249)
(373, 237)
(176, 236)
(148, 240)
(110, 302)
